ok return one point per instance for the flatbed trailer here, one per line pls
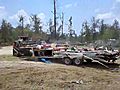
(67, 57)
(36, 54)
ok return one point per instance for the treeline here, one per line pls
(98, 30)
(91, 31)
(8, 33)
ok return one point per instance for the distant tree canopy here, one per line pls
(98, 30)
(6, 31)
(91, 31)
(36, 23)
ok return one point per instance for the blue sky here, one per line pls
(80, 10)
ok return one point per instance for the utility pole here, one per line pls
(55, 17)
(62, 22)
(70, 26)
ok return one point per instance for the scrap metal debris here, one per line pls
(67, 53)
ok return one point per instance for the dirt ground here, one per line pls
(17, 74)
(6, 50)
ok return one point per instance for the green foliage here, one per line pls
(91, 31)
(6, 31)
(87, 32)
(98, 30)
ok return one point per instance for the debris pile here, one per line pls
(66, 53)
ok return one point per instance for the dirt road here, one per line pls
(6, 50)
(28, 75)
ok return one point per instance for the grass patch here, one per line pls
(8, 58)
(47, 78)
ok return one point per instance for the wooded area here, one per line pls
(91, 31)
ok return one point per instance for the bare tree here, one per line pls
(21, 20)
(36, 23)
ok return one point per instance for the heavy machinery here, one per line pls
(23, 47)
(27, 48)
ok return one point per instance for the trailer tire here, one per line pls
(67, 61)
(14, 53)
(89, 61)
(78, 61)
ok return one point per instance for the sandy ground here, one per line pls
(17, 74)
(6, 50)
(29, 75)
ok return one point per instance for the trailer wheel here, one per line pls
(14, 53)
(78, 61)
(89, 61)
(67, 61)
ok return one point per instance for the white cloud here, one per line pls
(108, 15)
(26, 16)
(20, 13)
(15, 18)
(112, 14)
(71, 5)
(41, 16)
(68, 5)
(2, 7)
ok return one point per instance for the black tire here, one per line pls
(89, 61)
(78, 61)
(17, 54)
(67, 61)
(14, 53)
(113, 60)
